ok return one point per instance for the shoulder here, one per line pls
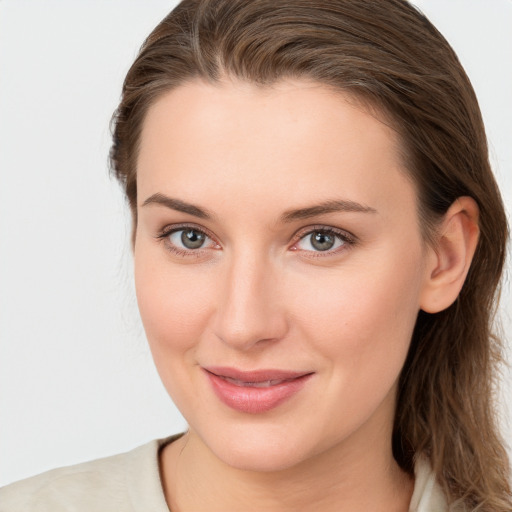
(428, 495)
(88, 483)
(126, 482)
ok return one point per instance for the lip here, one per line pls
(255, 391)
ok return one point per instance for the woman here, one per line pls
(317, 240)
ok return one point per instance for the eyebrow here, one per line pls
(330, 206)
(178, 205)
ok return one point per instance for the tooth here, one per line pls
(263, 384)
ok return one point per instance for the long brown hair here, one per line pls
(388, 54)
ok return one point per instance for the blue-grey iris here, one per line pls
(192, 239)
(322, 241)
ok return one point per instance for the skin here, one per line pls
(258, 294)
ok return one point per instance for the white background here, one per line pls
(76, 378)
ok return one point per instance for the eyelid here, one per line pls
(325, 228)
(171, 228)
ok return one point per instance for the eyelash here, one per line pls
(348, 240)
(169, 230)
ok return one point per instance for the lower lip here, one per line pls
(255, 400)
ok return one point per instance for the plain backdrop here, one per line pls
(76, 379)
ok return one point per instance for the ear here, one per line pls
(449, 261)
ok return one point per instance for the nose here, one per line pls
(250, 309)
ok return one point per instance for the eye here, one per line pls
(323, 239)
(186, 240)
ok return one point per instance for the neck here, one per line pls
(355, 476)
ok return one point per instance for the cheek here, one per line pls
(366, 314)
(173, 304)
(174, 311)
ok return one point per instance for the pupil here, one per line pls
(192, 239)
(322, 241)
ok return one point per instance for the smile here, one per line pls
(256, 391)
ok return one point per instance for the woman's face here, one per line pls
(279, 268)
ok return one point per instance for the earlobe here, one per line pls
(449, 261)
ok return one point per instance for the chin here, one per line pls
(256, 449)
(261, 459)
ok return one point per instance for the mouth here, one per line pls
(256, 391)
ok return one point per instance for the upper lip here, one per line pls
(255, 375)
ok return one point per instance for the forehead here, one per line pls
(292, 108)
(297, 137)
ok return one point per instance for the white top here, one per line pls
(130, 482)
